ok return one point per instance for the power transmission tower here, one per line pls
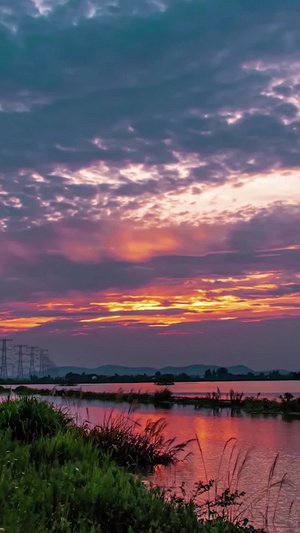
(12, 366)
(4, 358)
(48, 364)
(32, 360)
(20, 372)
(43, 357)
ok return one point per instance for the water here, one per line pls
(264, 436)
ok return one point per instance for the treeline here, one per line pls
(221, 374)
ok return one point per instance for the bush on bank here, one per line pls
(30, 419)
(58, 482)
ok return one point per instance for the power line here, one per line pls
(12, 372)
(43, 359)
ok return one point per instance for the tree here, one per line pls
(208, 374)
(222, 373)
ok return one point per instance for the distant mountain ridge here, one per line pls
(191, 370)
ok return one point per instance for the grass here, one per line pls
(122, 438)
(164, 397)
(58, 481)
(118, 436)
(30, 419)
(224, 497)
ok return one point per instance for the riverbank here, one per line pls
(56, 478)
(287, 405)
(80, 379)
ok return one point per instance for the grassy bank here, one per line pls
(55, 477)
(286, 405)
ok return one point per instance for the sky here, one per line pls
(150, 180)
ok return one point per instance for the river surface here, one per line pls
(262, 437)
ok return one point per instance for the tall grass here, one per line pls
(118, 435)
(164, 396)
(130, 445)
(235, 397)
(224, 497)
(30, 419)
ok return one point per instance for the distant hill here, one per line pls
(110, 370)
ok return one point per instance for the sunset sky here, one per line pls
(150, 180)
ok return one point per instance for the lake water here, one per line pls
(263, 436)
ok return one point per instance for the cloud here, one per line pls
(86, 255)
(149, 149)
(85, 86)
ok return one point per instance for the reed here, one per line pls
(131, 446)
(223, 497)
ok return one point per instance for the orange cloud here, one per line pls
(23, 324)
(257, 296)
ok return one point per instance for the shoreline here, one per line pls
(119, 381)
(237, 402)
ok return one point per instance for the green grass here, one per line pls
(57, 480)
(30, 419)
(118, 436)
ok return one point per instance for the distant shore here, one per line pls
(287, 405)
(82, 380)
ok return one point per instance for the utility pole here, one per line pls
(31, 361)
(20, 372)
(4, 358)
(43, 356)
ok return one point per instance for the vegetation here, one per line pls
(58, 481)
(287, 405)
(128, 445)
(220, 374)
(29, 419)
(162, 397)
